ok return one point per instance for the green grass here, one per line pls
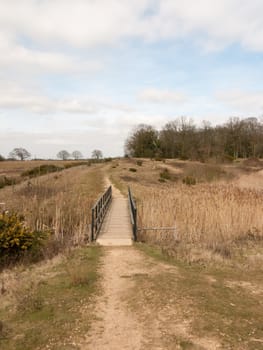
(57, 308)
(204, 296)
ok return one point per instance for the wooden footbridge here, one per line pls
(114, 219)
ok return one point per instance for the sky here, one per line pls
(80, 75)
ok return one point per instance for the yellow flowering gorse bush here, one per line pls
(15, 237)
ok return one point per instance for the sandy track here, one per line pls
(116, 326)
(119, 325)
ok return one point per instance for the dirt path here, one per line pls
(116, 327)
(136, 310)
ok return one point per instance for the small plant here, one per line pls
(139, 162)
(165, 175)
(189, 180)
(133, 170)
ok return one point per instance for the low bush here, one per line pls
(6, 181)
(16, 239)
(133, 170)
(165, 175)
(41, 170)
(76, 163)
(189, 180)
(139, 162)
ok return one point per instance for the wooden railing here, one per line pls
(99, 211)
(133, 213)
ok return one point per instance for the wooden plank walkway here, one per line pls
(116, 229)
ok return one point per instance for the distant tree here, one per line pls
(143, 142)
(96, 154)
(19, 153)
(63, 155)
(181, 138)
(1, 158)
(77, 155)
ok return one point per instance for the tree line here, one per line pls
(181, 138)
(21, 153)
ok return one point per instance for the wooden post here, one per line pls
(135, 224)
(92, 225)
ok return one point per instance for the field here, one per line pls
(192, 281)
(212, 207)
(57, 202)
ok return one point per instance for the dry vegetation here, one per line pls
(210, 296)
(14, 169)
(50, 305)
(59, 203)
(215, 213)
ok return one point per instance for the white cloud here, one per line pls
(30, 98)
(161, 96)
(242, 101)
(13, 96)
(86, 23)
(17, 57)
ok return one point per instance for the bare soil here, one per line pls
(127, 318)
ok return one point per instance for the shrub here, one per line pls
(139, 162)
(41, 170)
(133, 170)
(16, 238)
(6, 181)
(165, 174)
(109, 159)
(189, 180)
(75, 163)
(225, 158)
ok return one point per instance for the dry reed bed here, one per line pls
(209, 214)
(57, 202)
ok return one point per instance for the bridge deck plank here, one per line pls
(116, 229)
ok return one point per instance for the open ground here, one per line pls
(198, 286)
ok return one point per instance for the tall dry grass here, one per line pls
(58, 202)
(204, 213)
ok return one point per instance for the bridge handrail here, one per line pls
(133, 213)
(99, 211)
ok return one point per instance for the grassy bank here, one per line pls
(214, 307)
(49, 306)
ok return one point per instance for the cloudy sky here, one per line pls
(79, 74)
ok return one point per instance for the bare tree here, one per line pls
(19, 153)
(63, 155)
(97, 154)
(77, 155)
